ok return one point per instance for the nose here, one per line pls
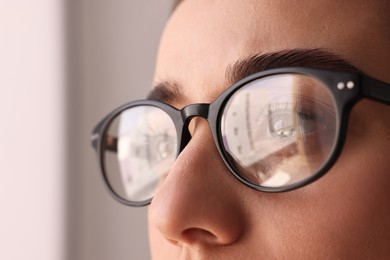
(198, 202)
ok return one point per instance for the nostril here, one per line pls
(197, 234)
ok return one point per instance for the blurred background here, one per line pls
(65, 64)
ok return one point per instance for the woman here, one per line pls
(208, 205)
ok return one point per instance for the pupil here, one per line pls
(281, 124)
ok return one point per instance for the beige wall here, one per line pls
(32, 122)
(113, 46)
(64, 65)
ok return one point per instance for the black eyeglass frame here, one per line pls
(347, 89)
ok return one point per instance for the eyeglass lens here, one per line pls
(279, 130)
(146, 149)
(276, 131)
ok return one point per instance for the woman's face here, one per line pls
(201, 211)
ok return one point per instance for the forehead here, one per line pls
(203, 37)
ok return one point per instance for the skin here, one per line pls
(201, 211)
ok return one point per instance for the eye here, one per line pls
(300, 118)
(154, 146)
(281, 123)
(309, 123)
(147, 137)
(160, 146)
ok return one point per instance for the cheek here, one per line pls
(335, 218)
(346, 213)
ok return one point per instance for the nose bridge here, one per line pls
(197, 180)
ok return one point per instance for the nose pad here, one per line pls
(185, 136)
(189, 114)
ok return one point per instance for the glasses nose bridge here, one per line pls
(194, 110)
(187, 113)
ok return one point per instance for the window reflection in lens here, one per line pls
(147, 147)
(279, 130)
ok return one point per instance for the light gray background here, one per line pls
(111, 53)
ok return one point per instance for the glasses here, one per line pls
(275, 130)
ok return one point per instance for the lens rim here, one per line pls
(344, 99)
(104, 125)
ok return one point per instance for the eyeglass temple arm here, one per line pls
(375, 89)
(111, 142)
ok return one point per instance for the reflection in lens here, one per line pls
(279, 130)
(146, 143)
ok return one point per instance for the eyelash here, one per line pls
(306, 118)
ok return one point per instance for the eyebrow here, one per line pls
(166, 91)
(171, 91)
